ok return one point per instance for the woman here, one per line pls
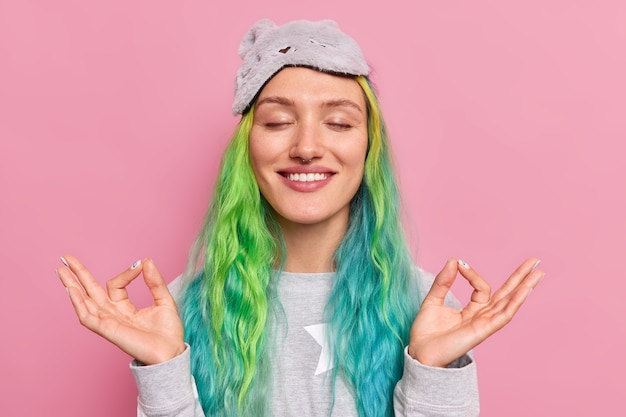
(300, 296)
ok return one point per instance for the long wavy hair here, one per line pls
(228, 301)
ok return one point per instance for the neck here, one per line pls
(311, 248)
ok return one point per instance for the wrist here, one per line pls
(161, 356)
(177, 350)
(426, 360)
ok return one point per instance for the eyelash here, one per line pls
(340, 126)
(337, 126)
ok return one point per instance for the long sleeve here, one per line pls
(426, 391)
(167, 389)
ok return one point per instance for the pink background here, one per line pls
(508, 125)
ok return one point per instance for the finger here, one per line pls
(84, 311)
(88, 282)
(116, 287)
(482, 289)
(517, 277)
(506, 308)
(442, 283)
(156, 284)
(83, 305)
(68, 279)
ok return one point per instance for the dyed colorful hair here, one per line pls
(226, 304)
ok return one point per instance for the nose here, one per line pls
(308, 142)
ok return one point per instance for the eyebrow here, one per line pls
(275, 100)
(343, 103)
(290, 103)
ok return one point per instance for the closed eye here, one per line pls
(339, 126)
(276, 125)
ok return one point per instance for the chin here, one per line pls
(313, 218)
(306, 220)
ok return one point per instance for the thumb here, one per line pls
(156, 283)
(442, 283)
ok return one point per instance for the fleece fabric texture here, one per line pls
(268, 48)
(302, 386)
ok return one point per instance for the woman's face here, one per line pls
(303, 114)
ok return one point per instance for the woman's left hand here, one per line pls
(442, 334)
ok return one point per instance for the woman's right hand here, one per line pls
(151, 335)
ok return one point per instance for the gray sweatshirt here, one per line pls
(301, 384)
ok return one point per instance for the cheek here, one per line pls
(258, 153)
(253, 147)
(356, 155)
(261, 162)
(264, 149)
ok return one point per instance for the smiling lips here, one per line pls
(306, 177)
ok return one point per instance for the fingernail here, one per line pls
(536, 264)
(56, 271)
(64, 262)
(136, 264)
(464, 264)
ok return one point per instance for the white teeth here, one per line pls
(302, 177)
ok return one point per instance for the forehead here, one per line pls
(305, 85)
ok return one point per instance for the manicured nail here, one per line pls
(536, 264)
(464, 264)
(56, 271)
(64, 262)
(136, 264)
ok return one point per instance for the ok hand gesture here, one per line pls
(441, 334)
(151, 335)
